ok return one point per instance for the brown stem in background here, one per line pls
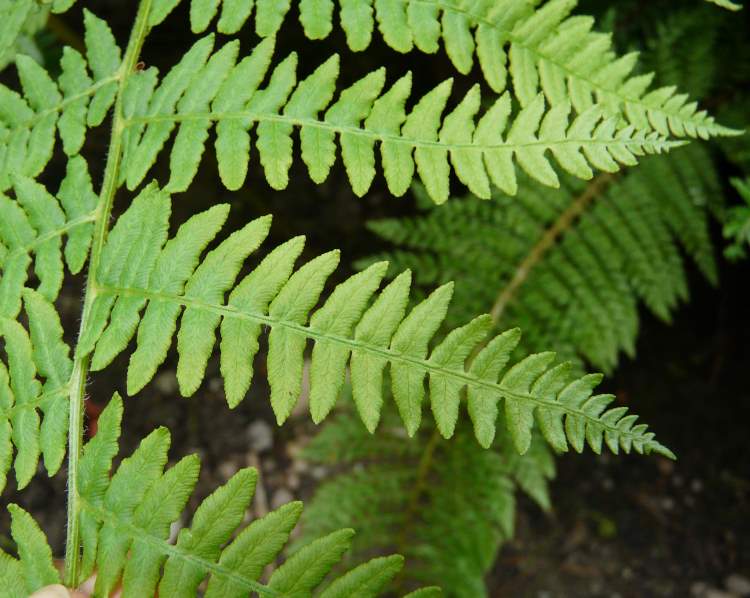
(550, 237)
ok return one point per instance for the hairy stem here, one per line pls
(101, 227)
(548, 240)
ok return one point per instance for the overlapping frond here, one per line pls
(126, 522)
(80, 98)
(448, 514)
(204, 89)
(34, 223)
(737, 223)
(140, 269)
(19, 21)
(541, 46)
(571, 266)
(33, 391)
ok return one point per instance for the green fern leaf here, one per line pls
(77, 101)
(542, 48)
(171, 282)
(360, 118)
(22, 395)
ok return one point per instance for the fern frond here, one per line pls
(206, 88)
(40, 354)
(126, 522)
(542, 48)
(34, 224)
(140, 269)
(569, 267)
(19, 21)
(399, 498)
(81, 98)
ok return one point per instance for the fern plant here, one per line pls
(144, 286)
(571, 267)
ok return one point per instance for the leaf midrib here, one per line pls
(353, 344)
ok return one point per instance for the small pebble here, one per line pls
(260, 436)
(166, 382)
(667, 504)
(738, 585)
(227, 469)
(281, 497)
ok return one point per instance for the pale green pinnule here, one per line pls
(214, 521)
(127, 260)
(367, 580)
(159, 509)
(518, 380)
(232, 136)
(163, 102)
(24, 419)
(423, 123)
(215, 275)
(191, 136)
(357, 153)
(312, 95)
(34, 553)
(51, 355)
(126, 490)
(16, 232)
(174, 266)
(387, 115)
(93, 480)
(105, 58)
(549, 385)
(487, 365)
(78, 199)
(338, 316)
(239, 338)
(46, 217)
(285, 344)
(274, 142)
(316, 17)
(458, 129)
(451, 354)
(357, 22)
(74, 81)
(253, 549)
(499, 160)
(305, 569)
(269, 15)
(377, 326)
(411, 339)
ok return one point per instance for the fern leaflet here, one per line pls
(539, 47)
(206, 88)
(140, 268)
(78, 100)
